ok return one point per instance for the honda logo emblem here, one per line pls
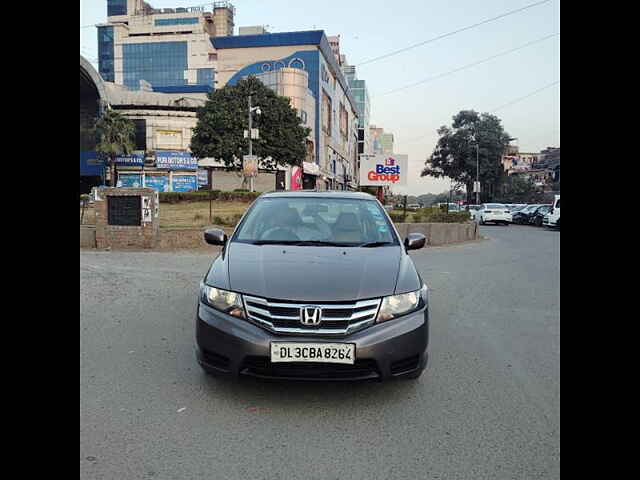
(310, 316)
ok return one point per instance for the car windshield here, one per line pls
(496, 206)
(316, 221)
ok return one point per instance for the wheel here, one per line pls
(538, 222)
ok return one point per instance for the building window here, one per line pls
(327, 112)
(344, 121)
(105, 53)
(161, 22)
(116, 7)
(205, 76)
(141, 134)
(162, 64)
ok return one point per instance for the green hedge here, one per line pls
(431, 215)
(203, 195)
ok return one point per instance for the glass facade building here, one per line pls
(105, 53)
(162, 64)
(116, 7)
(176, 21)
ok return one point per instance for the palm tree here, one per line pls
(116, 136)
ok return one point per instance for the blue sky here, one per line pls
(372, 28)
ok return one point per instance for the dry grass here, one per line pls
(192, 214)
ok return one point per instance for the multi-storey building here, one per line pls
(325, 102)
(169, 49)
(363, 104)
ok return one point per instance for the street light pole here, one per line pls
(250, 143)
(477, 173)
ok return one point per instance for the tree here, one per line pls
(520, 190)
(455, 153)
(222, 121)
(116, 136)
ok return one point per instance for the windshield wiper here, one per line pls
(301, 243)
(320, 243)
(375, 244)
(275, 242)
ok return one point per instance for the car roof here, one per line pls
(318, 194)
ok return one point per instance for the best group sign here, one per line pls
(381, 170)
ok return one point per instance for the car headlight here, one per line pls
(398, 305)
(223, 300)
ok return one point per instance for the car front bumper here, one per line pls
(227, 345)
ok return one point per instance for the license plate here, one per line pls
(313, 352)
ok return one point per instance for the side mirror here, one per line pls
(414, 241)
(215, 236)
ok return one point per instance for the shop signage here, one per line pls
(185, 183)
(129, 180)
(383, 170)
(203, 178)
(159, 183)
(133, 160)
(176, 161)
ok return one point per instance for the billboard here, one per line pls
(158, 182)
(381, 170)
(185, 183)
(176, 161)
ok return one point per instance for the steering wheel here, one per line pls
(280, 233)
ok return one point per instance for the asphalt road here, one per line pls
(487, 407)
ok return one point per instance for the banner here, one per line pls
(296, 178)
(382, 170)
(176, 161)
(250, 165)
(159, 183)
(203, 178)
(185, 183)
(132, 180)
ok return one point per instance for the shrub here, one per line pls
(203, 195)
(218, 220)
(396, 217)
(241, 190)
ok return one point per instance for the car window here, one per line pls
(348, 222)
(496, 206)
(558, 204)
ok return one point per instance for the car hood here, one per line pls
(312, 274)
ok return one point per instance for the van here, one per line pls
(552, 219)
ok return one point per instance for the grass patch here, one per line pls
(190, 214)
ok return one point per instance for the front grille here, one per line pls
(282, 316)
(262, 367)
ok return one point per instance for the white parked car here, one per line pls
(552, 219)
(493, 212)
(472, 209)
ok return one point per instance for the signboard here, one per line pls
(185, 183)
(160, 183)
(250, 165)
(90, 164)
(203, 178)
(176, 161)
(296, 178)
(133, 160)
(131, 180)
(146, 209)
(124, 210)
(382, 170)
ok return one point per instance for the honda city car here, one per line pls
(313, 286)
